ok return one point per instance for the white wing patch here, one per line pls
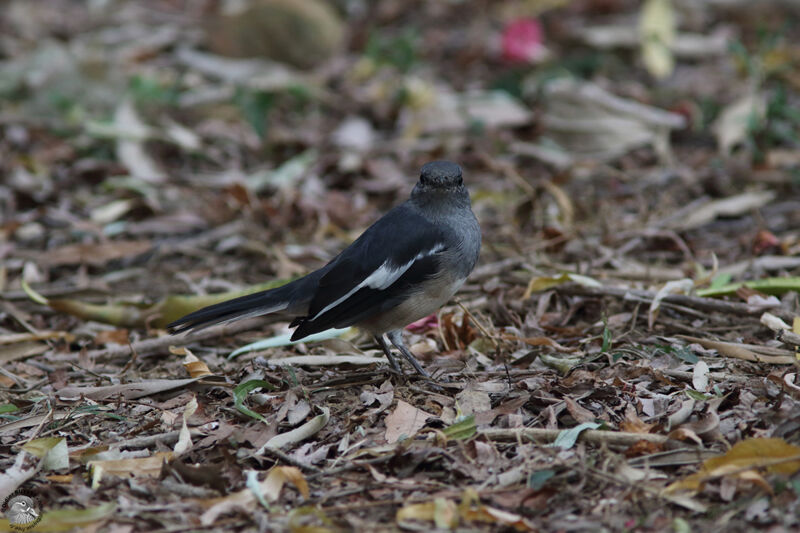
(382, 278)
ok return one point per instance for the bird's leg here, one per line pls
(385, 347)
(396, 338)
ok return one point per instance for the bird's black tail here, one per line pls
(290, 300)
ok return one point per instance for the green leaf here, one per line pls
(720, 280)
(8, 408)
(679, 525)
(567, 438)
(255, 107)
(775, 286)
(795, 486)
(606, 337)
(685, 354)
(461, 430)
(241, 391)
(70, 519)
(538, 479)
(699, 396)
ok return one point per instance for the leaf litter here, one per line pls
(623, 358)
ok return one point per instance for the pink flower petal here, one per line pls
(522, 40)
(423, 324)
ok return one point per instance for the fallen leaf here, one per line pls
(472, 401)
(130, 148)
(776, 456)
(129, 391)
(194, 366)
(589, 123)
(134, 467)
(567, 438)
(247, 499)
(298, 434)
(67, 519)
(732, 206)
(738, 119)
(681, 286)
(52, 450)
(93, 254)
(700, 376)
(404, 421)
(657, 33)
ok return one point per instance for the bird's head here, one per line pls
(440, 175)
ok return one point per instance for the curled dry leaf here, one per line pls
(299, 434)
(194, 366)
(737, 120)
(184, 443)
(129, 391)
(247, 499)
(681, 286)
(776, 456)
(732, 206)
(590, 123)
(446, 514)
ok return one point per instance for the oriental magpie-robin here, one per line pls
(402, 268)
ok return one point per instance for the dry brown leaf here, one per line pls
(740, 351)
(247, 500)
(93, 254)
(115, 336)
(774, 455)
(684, 433)
(581, 414)
(472, 401)
(405, 420)
(278, 477)
(134, 467)
(194, 366)
(632, 422)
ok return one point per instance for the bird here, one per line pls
(21, 510)
(405, 266)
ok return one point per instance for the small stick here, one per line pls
(695, 302)
(593, 436)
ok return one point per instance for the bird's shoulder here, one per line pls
(394, 240)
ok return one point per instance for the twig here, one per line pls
(478, 324)
(493, 269)
(150, 346)
(275, 453)
(745, 352)
(695, 302)
(145, 442)
(718, 376)
(454, 493)
(592, 436)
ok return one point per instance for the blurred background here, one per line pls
(151, 149)
(597, 136)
